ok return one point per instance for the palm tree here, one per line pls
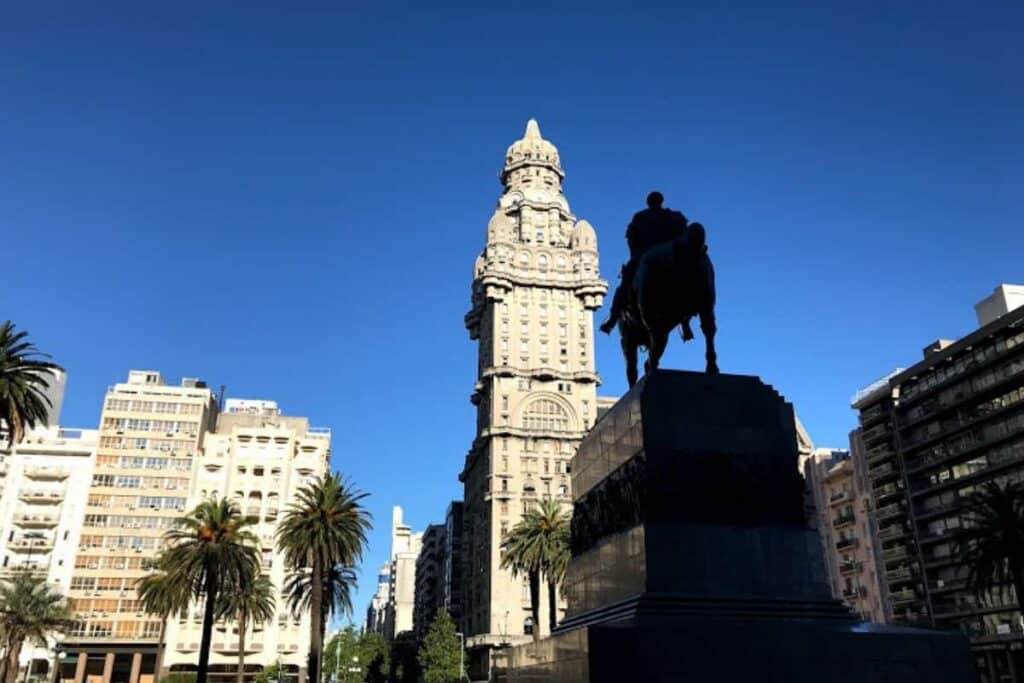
(210, 552)
(251, 602)
(160, 596)
(539, 545)
(30, 611)
(23, 381)
(991, 543)
(324, 527)
(339, 584)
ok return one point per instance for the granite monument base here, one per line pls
(692, 559)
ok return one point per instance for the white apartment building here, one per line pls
(258, 458)
(405, 549)
(44, 482)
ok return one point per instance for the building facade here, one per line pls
(149, 438)
(376, 613)
(258, 458)
(451, 564)
(842, 502)
(405, 549)
(429, 589)
(44, 483)
(535, 287)
(933, 434)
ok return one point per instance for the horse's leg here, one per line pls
(708, 327)
(629, 350)
(659, 340)
(687, 330)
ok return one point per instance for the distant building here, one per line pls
(376, 613)
(843, 507)
(451, 566)
(405, 549)
(932, 434)
(259, 459)
(429, 589)
(44, 484)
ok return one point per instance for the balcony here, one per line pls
(838, 497)
(893, 554)
(250, 647)
(892, 531)
(34, 568)
(848, 567)
(888, 490)
(844, 543)
(899, 574)
(904, 597)
(887, 511)
(41, 496)
(843, 520)
(46, 472)
(30, 544)
(875, 433)
(882, 472)
(35, 520)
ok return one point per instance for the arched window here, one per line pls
(547, 415)
(542, 262)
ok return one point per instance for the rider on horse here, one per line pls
(653, 226)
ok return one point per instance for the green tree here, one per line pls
(250, 603)
(209, 552)
(161, 597)
(440, 657)
(539, 545)
(24, 377)
(369, 649)
(373, 650)
(403, 665)
(991, 543)
(324, 528)
(30, 612)
(270, 674)
(338, 652)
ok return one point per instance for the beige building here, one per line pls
(844, 520)
(258, 458)
(149, 437)
(405, 549)
(535, 287)
(44, 482)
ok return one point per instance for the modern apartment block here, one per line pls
(933, 434)
(44, 483)
(842, 503)
(258, 458)
(451, 564)
(429, 589)
(149, 437)
(535, 287)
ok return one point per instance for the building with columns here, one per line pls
(536, 286)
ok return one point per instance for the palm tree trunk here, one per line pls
(241, 647)
(208, 611)
(316, 619)
(535, 603)
(552, 605)
(13, 652)
(160, 644)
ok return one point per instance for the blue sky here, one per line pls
(288, 200)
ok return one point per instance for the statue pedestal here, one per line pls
(692, 560)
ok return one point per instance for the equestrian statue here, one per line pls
(668, 280)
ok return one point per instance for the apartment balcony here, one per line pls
(38, 520)
(854, 592)
(877, 432)
(904, 597)
(843, 521)
(46, 472)
(899, 574)
(844, 543)
(887, 511)
(848, 567)
(887, 491)
(877, 456)
(41, 496)
(838, 497)
(882, 472)
(894, 554)
(34, 569)
(31, 545)
(892, 531)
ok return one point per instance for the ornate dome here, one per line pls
(532, 150)
(583, 236)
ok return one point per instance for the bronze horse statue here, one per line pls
(674, 282)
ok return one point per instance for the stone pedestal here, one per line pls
(692, 560)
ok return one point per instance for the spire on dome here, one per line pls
(532, 130)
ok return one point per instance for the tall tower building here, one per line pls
(535, 288)
(149, 437)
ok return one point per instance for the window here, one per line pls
(546, 414)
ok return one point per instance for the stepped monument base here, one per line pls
(692, 559)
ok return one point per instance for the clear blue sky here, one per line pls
(289, 201)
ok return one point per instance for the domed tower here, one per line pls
(535, 288)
